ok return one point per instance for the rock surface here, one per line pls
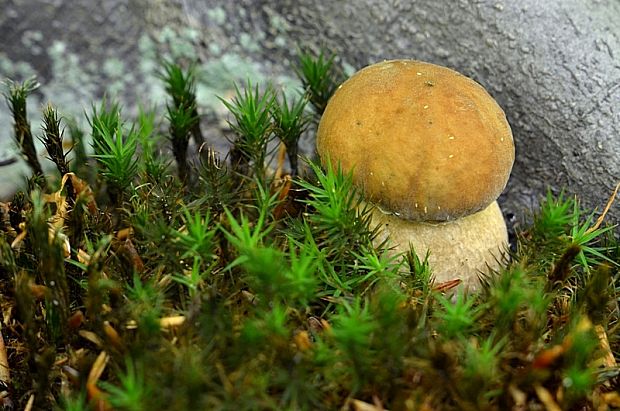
(553, 65)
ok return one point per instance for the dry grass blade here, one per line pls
(610, 202)
(20, 237)
(518, 396)
(98, 368)
(281, 158)
(608, 359)
(546, 398)
(171, 322)
(94, 393)
(92, 337)
(30, 403)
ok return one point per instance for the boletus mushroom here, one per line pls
(431, 150)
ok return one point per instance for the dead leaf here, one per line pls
(359, 405)
(39, 292)
(124, 234)
(608, 359)
(91, 336)
(171, 322)
(547, 357)
(446, 285)
(82, 188)
(283, 197)
(76, 320)
(302, 341)
(129, 252)
(112, 335)
(612, 399)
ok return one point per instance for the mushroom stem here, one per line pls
(464, 249)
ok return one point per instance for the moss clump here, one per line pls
(230, 285)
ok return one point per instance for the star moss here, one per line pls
(233, 285)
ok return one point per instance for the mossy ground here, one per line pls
(147, 278)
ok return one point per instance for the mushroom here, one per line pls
(432, 151)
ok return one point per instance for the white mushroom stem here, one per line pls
(459, 249)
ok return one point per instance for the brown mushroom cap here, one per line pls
(424, 142)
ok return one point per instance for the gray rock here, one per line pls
(553, 65)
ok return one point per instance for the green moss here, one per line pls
(19, 69)
(287, 301)
(31, 39)
(114, 68)
(248, 42)
(278, 23)
(217, 15)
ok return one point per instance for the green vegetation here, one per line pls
(231, 285)
(182, 113)
(320, 77)
(16, 96)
